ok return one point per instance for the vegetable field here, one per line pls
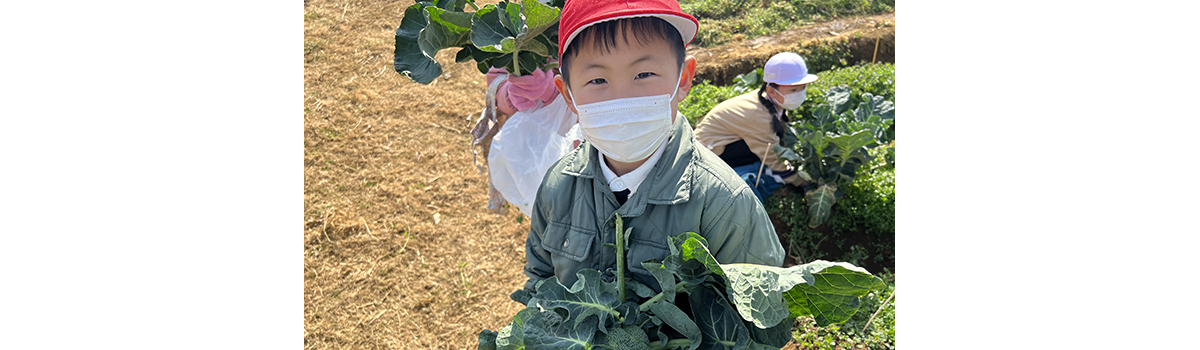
(400, 251)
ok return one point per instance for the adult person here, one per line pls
(742, 130)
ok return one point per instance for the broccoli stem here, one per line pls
(620, 259)
(646, 305)
(672, 344)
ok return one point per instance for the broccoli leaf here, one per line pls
(777, 336)
(513, 29)
(411, 60)
(820, 204)
(691, 261)
(718, 321)
(511, 337)
(548, 330)
(487, 340)
(678, 320)
(666, 281)
(588, 296)
(832, 291)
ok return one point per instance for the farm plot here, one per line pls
(400, 251)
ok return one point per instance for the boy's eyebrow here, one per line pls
(647, 57)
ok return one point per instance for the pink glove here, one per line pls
(502, 100)
(524, 91)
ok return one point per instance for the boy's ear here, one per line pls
(685, 82)
(561, 86)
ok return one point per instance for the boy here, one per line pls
(624, 72)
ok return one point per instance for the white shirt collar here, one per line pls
(634, 178)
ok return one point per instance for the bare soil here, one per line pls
(872, 39)
(400, 251)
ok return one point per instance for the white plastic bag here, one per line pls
(528, 144)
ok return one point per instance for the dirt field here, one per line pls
(400, 250)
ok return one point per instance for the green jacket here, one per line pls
(689, 190)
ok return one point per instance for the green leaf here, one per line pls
(445, 29)
(695, 247)
(839, 99)
(487, 340)
(588, 296)
(757, 292)
(453, 5)
(816, 142)
(521, 296)
(410, 59)
(820, 202)
(548, 330)
(777, 336)
(639, 289)
(509, 28)
(539, 17)
(717, 320)
(786, 153)
(489, 29)
(512, 336)
(847, 145)
(678, 320)
(833, 293)
(688, 261)
(666, 281)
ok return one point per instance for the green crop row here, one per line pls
(722, 20)
(702, 98)
(878, 79)
(861, 228)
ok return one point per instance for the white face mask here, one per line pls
(793, 100)
(627, 129)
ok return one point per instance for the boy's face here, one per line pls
(630, 69)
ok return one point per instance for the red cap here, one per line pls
(579, 14)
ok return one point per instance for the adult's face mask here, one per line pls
(793, 100)
(628, 129)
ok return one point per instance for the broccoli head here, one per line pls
(628, 338)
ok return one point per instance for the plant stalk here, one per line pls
(885, 303)
(646, 305)
(673, 344)
(620, 238)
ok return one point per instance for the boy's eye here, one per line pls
(597, 81)
(644, 75)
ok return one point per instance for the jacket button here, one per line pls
(566, 242)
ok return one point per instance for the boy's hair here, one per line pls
(603, 36)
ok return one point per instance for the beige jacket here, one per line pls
(743, 118)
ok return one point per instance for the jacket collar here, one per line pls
(667, 183)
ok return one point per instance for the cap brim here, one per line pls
(807, 79)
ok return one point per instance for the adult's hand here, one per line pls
(525, 91)
(503, 104)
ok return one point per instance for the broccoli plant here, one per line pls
(831, 147)
(697, 303)
(748, 81)
(520, 36)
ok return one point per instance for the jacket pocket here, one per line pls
(568, 241)
(645, 249)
